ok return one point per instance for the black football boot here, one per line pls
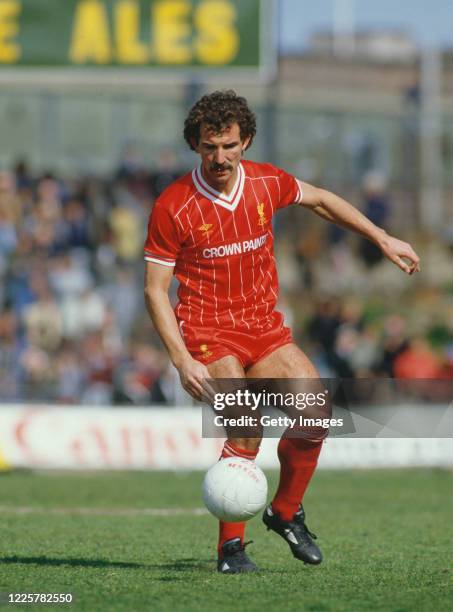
(296, 535)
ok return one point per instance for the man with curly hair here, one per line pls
(212, 228)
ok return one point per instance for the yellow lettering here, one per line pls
(90, 36)
(127, 29)
(9, 50)
(218, 40)
(172, 31)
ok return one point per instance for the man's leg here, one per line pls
(227, 368)
(298, 456)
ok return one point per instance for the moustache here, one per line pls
(216, 167)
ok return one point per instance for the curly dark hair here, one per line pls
(218, 110)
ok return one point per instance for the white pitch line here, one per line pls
(104, 511)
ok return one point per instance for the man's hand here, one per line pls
(194, 379)
(399, 251)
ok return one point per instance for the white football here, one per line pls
(235, 489)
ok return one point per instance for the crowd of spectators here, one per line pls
(346, 345)
(73, 326)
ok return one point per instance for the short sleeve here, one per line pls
(162, 242)
(289, 189)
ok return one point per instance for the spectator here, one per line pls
(418, 360)
(82, 313)
(71, 375)
(127, 233)
(377, 210)
(76, 225)
(99, 365)
(122, 296)
(395, 342)
(10, 350)
(10, 203)
(42, 319)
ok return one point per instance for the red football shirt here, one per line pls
(222, 246)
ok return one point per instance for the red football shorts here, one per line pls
(208, 344)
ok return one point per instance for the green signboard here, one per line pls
(195, 34)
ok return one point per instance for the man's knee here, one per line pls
(249, 444)
(310, 435)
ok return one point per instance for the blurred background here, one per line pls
(93, 95)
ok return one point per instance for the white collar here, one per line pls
(229, 202)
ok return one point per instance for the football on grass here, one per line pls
(235, 489)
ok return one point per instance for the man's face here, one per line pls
(220, 155)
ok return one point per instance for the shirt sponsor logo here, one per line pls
(235, 248)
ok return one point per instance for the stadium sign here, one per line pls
(154, 438)
(202, 36)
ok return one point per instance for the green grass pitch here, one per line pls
(387, 537)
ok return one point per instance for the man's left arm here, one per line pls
(333, 208)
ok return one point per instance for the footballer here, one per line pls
(212, 229)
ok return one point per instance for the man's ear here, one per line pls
(245, 143)
(194, 144)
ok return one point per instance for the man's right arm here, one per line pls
(193, 373)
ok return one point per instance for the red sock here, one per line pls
(228, 531)
(298, 459)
